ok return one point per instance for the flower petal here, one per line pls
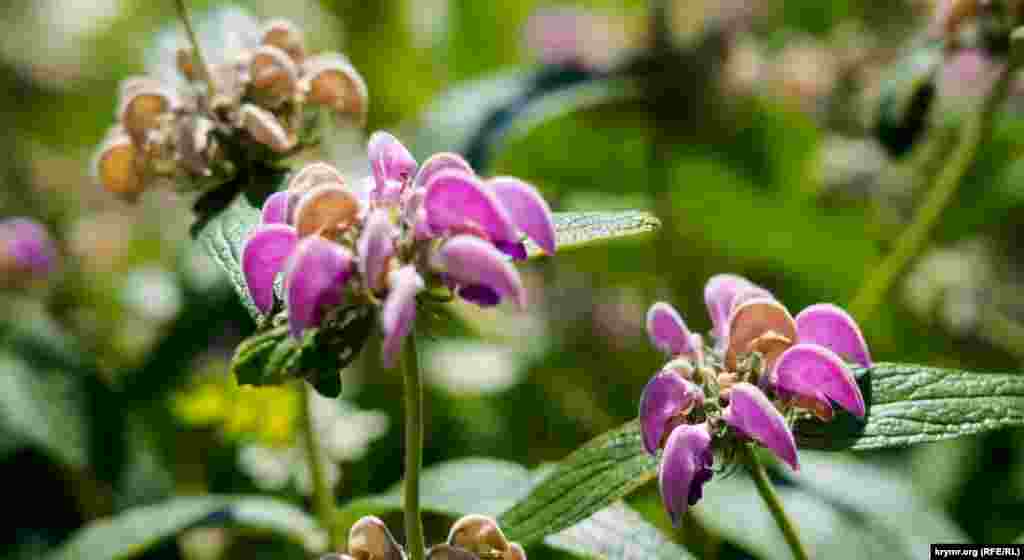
(275, 209)
(264, 128)
(326, 210)
(376, 247)
(456, 202)
(685, 467)
(666, 395)
(389, 159)
(27, 245)
(667, 330)
(442, 161)
(829, 326)
(756, 319)
(316, 276)
(528, 210)
(263, 256)
(285, 35)
(753, 415)
(475, 531)
(469, 260)
(720, 295)
(313, 175)
(815, 372)
(399, 312)
(117, 167)
(331, 81)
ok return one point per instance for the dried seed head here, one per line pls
(331, 80)
(326, 210)
(273, 74)
(370, 539)
(264, 127)
(117, 167)
(286, 36)
(478, 533)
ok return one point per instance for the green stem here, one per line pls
(414, 542)
(197, 53)
(914, 238)
(323, 499)
(771, 499)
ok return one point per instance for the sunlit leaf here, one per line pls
(132, 532)
(575, 230)
(617, 533)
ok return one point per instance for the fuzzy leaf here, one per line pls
(132, 532)
(593, 477)
(575, 230)
(910, 404)
(490, 486)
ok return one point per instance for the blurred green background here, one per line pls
(750, 137)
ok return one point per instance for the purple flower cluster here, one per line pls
(472, 537)
(26, 251)
(764, 365)
(406, 229)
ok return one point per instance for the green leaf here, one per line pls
(910, 404)
(575, 230)
(617, 533)
(842, 508)
(273, 356)
(223, 235)
(44, 409)
(590, 479)
(132, 532)
(489, 486)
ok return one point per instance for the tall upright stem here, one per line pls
(914, 238)
(771, 499)
(197, 54)
(323, 499)
(414, 542)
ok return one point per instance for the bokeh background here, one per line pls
(748, 129)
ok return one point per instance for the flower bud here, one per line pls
(273, 75)
(370, 539)
(264, 128)
(667, 330)
(449, 552)
(142, 110)
(478, 533)
(118, 167)
(331, 81)
(286, 36)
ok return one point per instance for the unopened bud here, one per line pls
(286, 36)
(264, 127)
(117, 167)
(478, 533)
(142, 110)
(449, 552)
(370, 539)
(326, 210)
(331, 80)
(273, 74)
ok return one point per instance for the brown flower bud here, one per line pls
(514, 552)
(370, 539)
(449, 552)
(143, 108)
(117, 167)
(273, 74)
(264, 127)
(331, 80)
(478, 533)
(286, 36)
(752, 319)
(326, 210)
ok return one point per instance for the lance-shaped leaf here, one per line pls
(576, 230)
(134, 531)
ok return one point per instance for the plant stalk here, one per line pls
(771, 499)
(197, 54)
(414, 542)
(323, 499)
(915, 237)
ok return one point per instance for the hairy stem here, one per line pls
(197, 53)
(771, 499)
(414, 541)
(913, 239)
(323, 500)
